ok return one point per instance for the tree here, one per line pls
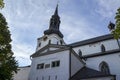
(1, 4)
(116, 32)
(8, 64)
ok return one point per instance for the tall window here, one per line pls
(36, 78)
(49, 42)
(56, 77)
(104, 67)
(103, 48)
(47, 65)
(57, 43)
(61, 42)
(42, 78)
(49, 78)
(39, 44)
(80, 53)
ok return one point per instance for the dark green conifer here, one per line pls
(8, 64)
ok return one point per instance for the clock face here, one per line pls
(45, 38)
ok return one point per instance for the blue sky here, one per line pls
(80, 20)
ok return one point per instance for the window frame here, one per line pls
(104, 67)
(55, 63)
(47, 66)
(40, 66)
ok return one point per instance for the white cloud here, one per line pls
(28, 19)
(22, 53)
(76, 29)
(107, 8)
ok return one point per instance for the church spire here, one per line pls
(54, 24)
(56, 10)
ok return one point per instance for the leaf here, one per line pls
(116, 32)
(1, 4)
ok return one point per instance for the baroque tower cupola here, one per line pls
(53, 34)
(54, 24)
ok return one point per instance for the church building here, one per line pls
(92, 59)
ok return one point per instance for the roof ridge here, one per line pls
(92, 40)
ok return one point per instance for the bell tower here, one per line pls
(53, 34)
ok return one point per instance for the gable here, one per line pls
(49, 49)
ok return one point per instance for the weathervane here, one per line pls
(58, 2)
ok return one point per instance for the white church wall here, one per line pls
(54, 39)
(110, 44)
(41, 42)
(113, 61)
(22, 74)
(62, 72)
(96, 47)
(76, 64)
(88, 49)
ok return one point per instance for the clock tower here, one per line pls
(53, 34)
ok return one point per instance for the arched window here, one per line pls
(103, 48)
(80, 53)
(61, 42)
(57, 43)
(56, 77)
(42, 78)
(39, 44)
(36, 78)
(49, 42)
(104, 67)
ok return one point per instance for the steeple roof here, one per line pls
(56, 10)
(54, 24)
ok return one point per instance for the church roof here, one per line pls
(25, 66)
(92, 40)
(101, 53)
(86, 73)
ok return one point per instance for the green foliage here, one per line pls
(116, 32)
(8, 64)
(1, 4)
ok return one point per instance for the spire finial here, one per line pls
(56, 10)
(58, 2)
